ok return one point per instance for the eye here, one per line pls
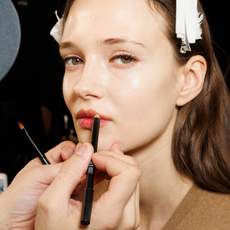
(124, 59)
(71, 61)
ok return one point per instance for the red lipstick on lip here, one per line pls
(85, 118)
(86, 123)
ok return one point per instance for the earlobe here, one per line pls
(194, 72)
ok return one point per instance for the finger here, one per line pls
(116, 148)
(57, 154)
(120, 156)
(121, 197)
(40, 175)
(116, 152)
(70, 175)
(100, 176)
(124, 178)
(131, 214)
(61, 152)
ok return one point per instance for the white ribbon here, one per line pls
(188, 21)
(56, 31)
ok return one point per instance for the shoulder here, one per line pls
(211, 211)
(215, 208)
(202, 209)
(213, 201)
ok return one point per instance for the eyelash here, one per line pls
(129, 56)
(66, 59)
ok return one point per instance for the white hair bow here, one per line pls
(188, 21)
(56, 31)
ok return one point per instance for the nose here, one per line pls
(91, 82)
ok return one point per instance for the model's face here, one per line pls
(119, 64)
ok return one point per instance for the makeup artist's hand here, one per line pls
(117, 208)
(19, 201)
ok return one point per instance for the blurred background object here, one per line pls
(3, 182)
(10, 34)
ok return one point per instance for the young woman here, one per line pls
(165, 108)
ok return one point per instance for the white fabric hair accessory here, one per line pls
(56, 31)
(188, 21)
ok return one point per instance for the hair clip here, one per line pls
(56, 31)
(188, 21)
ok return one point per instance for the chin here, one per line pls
(104, 146)
(84, 136)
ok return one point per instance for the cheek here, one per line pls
(68, 93)
(145, 109)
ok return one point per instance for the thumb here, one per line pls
(116, 148)
(70, 174)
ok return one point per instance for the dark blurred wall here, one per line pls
(31, 92)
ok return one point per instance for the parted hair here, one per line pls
(200, 144)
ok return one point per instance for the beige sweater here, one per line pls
(201, 209)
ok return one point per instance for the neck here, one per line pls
(161, 187)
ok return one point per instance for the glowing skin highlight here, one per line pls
(137, 91)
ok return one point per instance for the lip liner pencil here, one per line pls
(41, 156)
(88, 192)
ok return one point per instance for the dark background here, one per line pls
(31, 92)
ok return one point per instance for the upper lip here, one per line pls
(90, 114)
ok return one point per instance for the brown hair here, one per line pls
(200, 145)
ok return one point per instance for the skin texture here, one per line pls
(119, 64)
(111, 87)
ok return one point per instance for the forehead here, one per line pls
(108, 18)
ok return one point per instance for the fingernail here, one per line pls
(78, 146)
(70, 151)
(83, 149)
(119, 147)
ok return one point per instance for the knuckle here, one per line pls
(68, 144)
(45, 205)
(134, 172)
(132, 161)
(114, 222)
(69, 169)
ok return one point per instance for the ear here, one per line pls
(194, 72)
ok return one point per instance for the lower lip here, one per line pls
(87, 123)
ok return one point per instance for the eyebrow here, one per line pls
(110, 41)
(65, 45)
(113, 41)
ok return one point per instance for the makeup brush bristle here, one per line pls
(20, 125)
